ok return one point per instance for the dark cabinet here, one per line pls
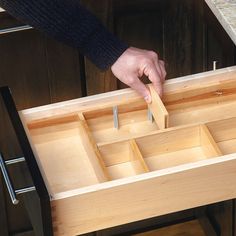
(40, 71)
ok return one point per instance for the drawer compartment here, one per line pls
(224, 132)
(123, 159)
(201, 99)
(178, 146)
(100, 176)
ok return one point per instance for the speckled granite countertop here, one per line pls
(225, 11)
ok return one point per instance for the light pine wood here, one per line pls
(156, 194)
(52, 121)
(67, 164)
(224, 133)
(172, 91)
(123, 159)
(203, 113)
(92, 150)
(170, 140)
(223, 130)
(131, 124)
(101, 177)
(209, 146)
(177, 146)
(137, 155)
(158, 109)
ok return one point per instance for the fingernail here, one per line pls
(148, 99)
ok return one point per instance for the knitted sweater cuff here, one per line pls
(103, 48)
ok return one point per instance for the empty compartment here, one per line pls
(224, 133)
(201, 100)
(132, 121)
(62, 154)
(123, 159)
(177, 146)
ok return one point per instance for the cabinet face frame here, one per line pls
(43, 203)
(109, 195)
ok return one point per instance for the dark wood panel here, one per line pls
(23, 68)
(142, 29)
(40, 70)
(100, 81)
(199, 55)
(178, 33)
(17, 218)
(63, 71)
(3, 214)
(221, 215)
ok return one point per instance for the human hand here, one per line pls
(133, 64)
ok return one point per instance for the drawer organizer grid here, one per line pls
(106, 162)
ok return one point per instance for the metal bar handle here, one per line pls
(8, 181)
(15, 29)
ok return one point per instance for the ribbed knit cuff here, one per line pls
(104, 48)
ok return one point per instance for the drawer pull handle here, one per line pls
(8, 181)
(15, 29)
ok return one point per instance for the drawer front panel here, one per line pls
(174, 190)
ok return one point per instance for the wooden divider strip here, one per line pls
(208, 143)
(158, 109)
(41, 123)
(93, 153)
(138, 155)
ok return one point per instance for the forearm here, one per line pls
(69, 22)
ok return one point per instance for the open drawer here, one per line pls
(100, 176)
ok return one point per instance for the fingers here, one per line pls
(155, 70)
(163, 70)
(152, 73)
(134, 63)
(135, 83)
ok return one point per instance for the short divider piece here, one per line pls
(123, 159)
(158, 109)
(136, 155)
(209, 146)
(92, 150)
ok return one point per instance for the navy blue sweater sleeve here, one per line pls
(68, 21)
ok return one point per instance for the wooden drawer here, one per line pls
(98, 176)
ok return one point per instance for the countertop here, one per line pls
(225, 12)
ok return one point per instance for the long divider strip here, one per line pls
(138, 155)
(92, 149)
(208, 143)
(158, 109)
(52, 121)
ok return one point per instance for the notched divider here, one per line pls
(92, 150)
(137, 155)
(159, 112)
(210, 147)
